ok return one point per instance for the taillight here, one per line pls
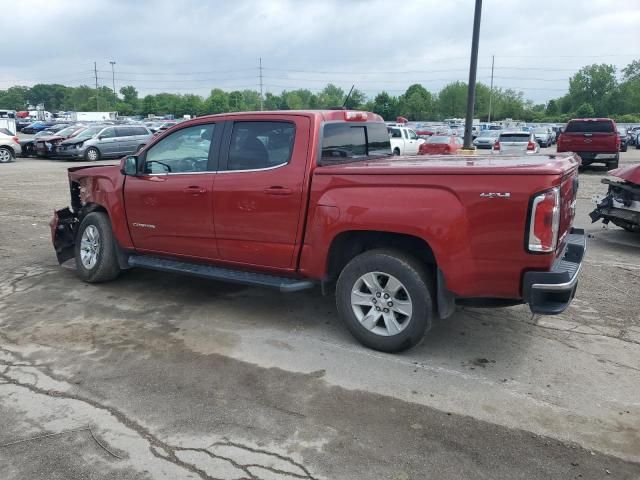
(531, 146)
(544, 221)
(496, 146)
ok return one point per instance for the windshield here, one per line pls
(622, 131)
(65, 132)
(540, 130)
(88, 133)
(490, 133)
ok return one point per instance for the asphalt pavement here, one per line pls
(159, 376)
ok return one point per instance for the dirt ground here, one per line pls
(158, 376)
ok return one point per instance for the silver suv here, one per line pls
(103, 141)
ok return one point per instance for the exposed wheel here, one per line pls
(384, 298)
(140, 147)
(396, 151)
(95, 249)
(92, 154)
(6, 155)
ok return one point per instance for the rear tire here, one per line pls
(385, 280)
(6, 155)
(613, 163)
(92, 154)
(95, 249)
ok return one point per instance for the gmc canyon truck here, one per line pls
(291, 200)
(595, 140)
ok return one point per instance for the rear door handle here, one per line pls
(278, 191)
(194, 190)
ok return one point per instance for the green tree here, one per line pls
(149, 105)
(585, 111)
(452, 100)
(594, 85)
(385, 105)
(356, 100)
(631, 71)
(14, 98)
(218, 101)
(331, 96)
(416, 103)
(552, 109)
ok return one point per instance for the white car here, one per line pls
(9, 146)
(404, 141)
(515, 142)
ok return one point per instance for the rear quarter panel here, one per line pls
(478, 242)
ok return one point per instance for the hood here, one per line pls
(516, 164)
(77, 173)
(50, 138)
(73, 140)
(630, 173)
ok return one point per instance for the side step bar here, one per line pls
(284, 284)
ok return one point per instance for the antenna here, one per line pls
(347, 99)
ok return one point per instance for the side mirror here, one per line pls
(130, 165)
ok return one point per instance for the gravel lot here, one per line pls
(162, 376)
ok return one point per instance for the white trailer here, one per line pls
(92, 116)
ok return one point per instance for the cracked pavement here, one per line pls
(157, 376)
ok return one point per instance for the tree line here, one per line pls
(595, 90)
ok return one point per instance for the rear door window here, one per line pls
(591, 126)
(123, 132)
(260, 145)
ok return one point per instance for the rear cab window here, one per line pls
(515, 137)
(590, 126)
(349, 142)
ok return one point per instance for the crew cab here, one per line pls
(298, 199)
(404, 141)
(595, 140)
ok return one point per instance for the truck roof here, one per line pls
(324, 115)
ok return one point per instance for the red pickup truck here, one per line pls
(295, 199)
(593, 139)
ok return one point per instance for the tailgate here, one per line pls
(588, 142)
(568, 196)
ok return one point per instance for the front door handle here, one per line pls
(277, 190)
(194, 190)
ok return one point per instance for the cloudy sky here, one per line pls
(196, 45)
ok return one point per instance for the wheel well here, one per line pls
(347, 245)
(7, 147)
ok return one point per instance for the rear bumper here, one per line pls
(550, 293)
(590, 157)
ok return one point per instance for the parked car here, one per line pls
(542, 136)
(624, 138)
(22, 122)
(99, 142)
(47, 145)
(404, 141)
(593, 139)
(311, 198)
(9, 147)
(441, 144)
(35, 127)
(486, 139)
(515, 142)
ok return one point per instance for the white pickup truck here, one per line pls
(404, 141)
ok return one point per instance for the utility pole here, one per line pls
(473, 67)
(95, 71)
(493, 57)
(113, 78)
(261, 102)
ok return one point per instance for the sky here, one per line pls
(190, 46)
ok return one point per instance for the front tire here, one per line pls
(396, 151)
(95, 249)
(384, 298)
(92, 154)
(6, 155)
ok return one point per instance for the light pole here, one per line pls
(473, 67)
(113, 79)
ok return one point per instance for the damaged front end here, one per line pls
(621, 205)
(64, 226)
